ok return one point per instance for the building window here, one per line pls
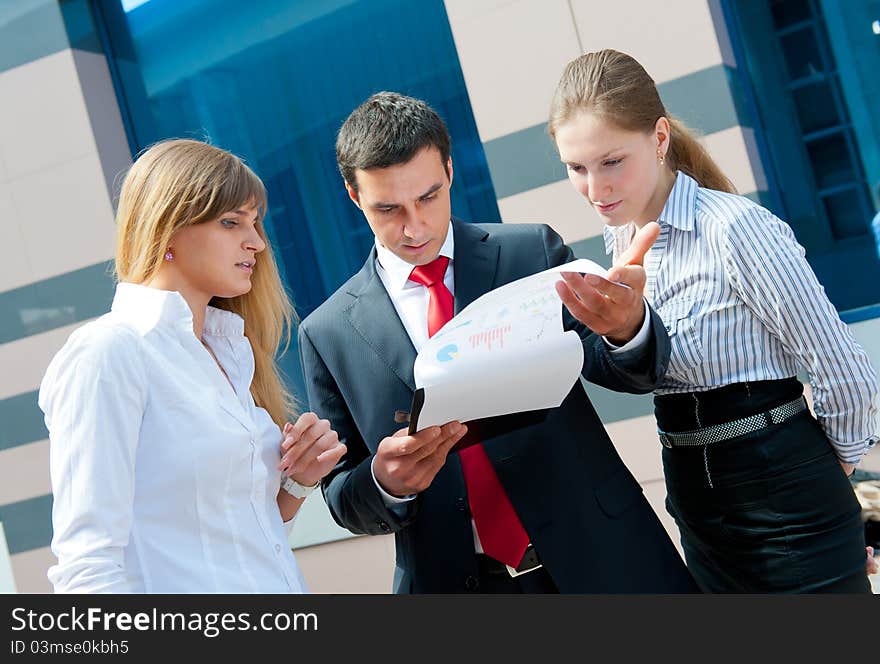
(811, 66)
(272, 81)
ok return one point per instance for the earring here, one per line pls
(169, 256)
(660, 156)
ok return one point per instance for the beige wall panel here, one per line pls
(867, 333)
(43, 117)
(735, 152)
(655, 492)
(3, 170)
(557, 204)
(30, 570)
(512, 55)
(670, 39)
(358, 565)
(461, 11)
(65, 216)
(104, 117)
(722, 33)
(314, 525)
(15, 269)
(24, 361)
(637, 443)
(24, 472)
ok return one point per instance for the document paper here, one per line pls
(506, 352)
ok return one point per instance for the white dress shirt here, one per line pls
(411, 299)
(164, 477)
(741, 303)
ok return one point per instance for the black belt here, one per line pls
(727, 430)
(529, 563)
(686, 411)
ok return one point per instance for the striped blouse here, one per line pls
(741, 303)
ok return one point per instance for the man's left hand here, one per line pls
(612, 307)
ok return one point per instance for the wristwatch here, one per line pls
(296, 489)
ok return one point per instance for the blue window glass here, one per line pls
(814, 111)
(810, 66)
(272, 81)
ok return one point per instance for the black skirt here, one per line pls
(770, 511)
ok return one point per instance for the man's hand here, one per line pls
(310, 449)
(407, 464)
(604, 305)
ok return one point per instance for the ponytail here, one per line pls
(688, 156)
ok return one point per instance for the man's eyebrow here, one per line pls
(383, 204)
(433, 188)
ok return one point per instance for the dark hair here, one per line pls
(388, 129)
(614, 86)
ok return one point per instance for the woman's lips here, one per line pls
(607, 208)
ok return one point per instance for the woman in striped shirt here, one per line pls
(756, 484)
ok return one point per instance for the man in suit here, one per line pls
(541, 502)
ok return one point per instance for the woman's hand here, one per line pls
(871, 566)
(309, 450)
(613, 307)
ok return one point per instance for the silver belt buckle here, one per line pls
(514, 572)
(664, 439)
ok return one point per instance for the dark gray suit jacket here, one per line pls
(584, 511)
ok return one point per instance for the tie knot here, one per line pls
(430, 274)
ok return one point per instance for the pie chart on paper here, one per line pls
(447, 353)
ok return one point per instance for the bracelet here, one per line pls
(296, 489)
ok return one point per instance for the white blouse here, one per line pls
(164, 477)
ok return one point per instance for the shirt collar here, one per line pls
(397, 270)
(680, 207)
(679, 211)
(146, 308)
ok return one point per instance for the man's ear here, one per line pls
(449, 170)
(353, 195)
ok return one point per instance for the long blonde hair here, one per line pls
(615, 87)
(178, 183)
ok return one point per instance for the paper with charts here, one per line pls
(506, 352)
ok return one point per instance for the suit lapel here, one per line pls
(475, 263)
(375, 319)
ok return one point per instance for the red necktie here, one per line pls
(499, 528)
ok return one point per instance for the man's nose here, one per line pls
(412, 223)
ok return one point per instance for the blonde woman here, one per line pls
(756, 484)
(165, 415)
